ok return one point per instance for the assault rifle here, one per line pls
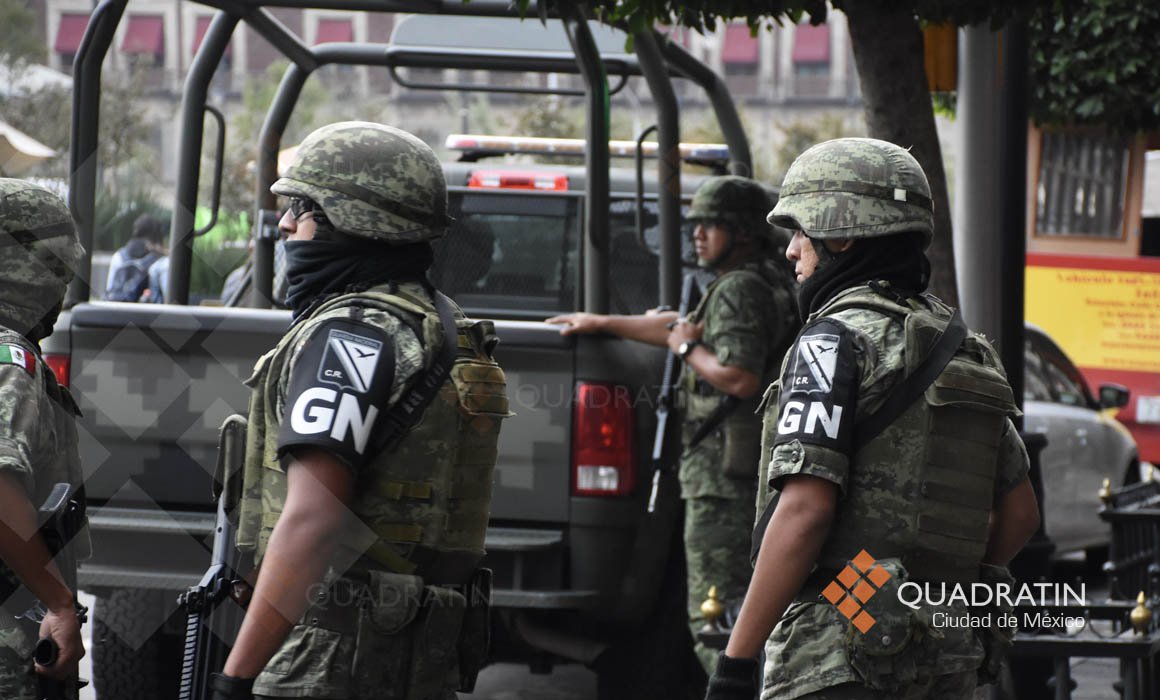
(213, 613)
(667, 439)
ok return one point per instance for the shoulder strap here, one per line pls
(897, 401)
(908, 390)
(407, 411)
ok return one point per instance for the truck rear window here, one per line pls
(517, 256)
(510, 256)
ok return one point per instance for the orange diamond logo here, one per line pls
(878, 576)
(864, 591)
(849, 607)
(848, 577)
(864, 622)
(851, 590)
(864, 561)
(833, 593)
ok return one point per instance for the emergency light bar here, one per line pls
(517, 180)
(475, 146)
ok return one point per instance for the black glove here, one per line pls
(229, 688)
(734, 679)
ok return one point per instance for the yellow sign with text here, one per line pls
(1108, 319)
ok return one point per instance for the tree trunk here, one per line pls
(888, 46)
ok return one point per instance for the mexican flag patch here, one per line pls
(16, 355)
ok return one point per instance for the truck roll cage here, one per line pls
(656, 58)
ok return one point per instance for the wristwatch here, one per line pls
(686, 347)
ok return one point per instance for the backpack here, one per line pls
(131, 279)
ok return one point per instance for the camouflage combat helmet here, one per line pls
(39, 253)
(737, 201)
(855, 188)
(371, 180)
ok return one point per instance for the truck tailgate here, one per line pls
(154, 383)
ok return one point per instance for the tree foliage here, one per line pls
(19, 39)
(703, 15)
(1095, 62)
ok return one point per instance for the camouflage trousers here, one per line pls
(717, 536)
(953, 686)
(399, 643)
(18, 680)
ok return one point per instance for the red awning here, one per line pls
(811, 44)
(72, 30)
(739, 46)
(145, 34)
(331, 30)
(199, 34)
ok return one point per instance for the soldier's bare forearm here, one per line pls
(296, 560)
(734, 381)
(1014, 520)
(23, 550)
(646, 328)
(790, 547)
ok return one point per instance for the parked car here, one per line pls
(1085, 443)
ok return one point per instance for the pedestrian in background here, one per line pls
(345, 490)
(731, 345)
(129, 268)
(38, 444)
(889, 438)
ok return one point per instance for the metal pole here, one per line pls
(82, 188)
(1013, 202)
(740, 160)
(596, 160)
(189, 155)
(668, 163)
(269, 143)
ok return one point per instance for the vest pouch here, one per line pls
(742, 445)
(996, 639)
(383, 654)
(891, 654)
(435, 639)
(482, 388)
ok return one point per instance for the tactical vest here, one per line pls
(741, 430)
(923, 489)
(426, 497)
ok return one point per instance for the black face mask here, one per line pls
(896, 259)
(317, 269)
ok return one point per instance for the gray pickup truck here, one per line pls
(583, 573)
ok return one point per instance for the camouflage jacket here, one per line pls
(750, 319)
(38, 437)
(842, 367)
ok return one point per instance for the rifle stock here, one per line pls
(212, 617)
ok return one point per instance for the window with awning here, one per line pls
(739, 47)
(334, 30)
(70, 33)
(811, 44)
(144, 35)
(199, 35)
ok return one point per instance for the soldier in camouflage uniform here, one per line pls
(890, 440)
(731, 345)
(38, 445)
(367, 523)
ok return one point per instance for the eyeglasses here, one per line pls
(300, 205)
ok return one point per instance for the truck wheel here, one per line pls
(135, 657)
(655, 662)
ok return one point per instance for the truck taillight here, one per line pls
(59, 364)
(604, 428)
